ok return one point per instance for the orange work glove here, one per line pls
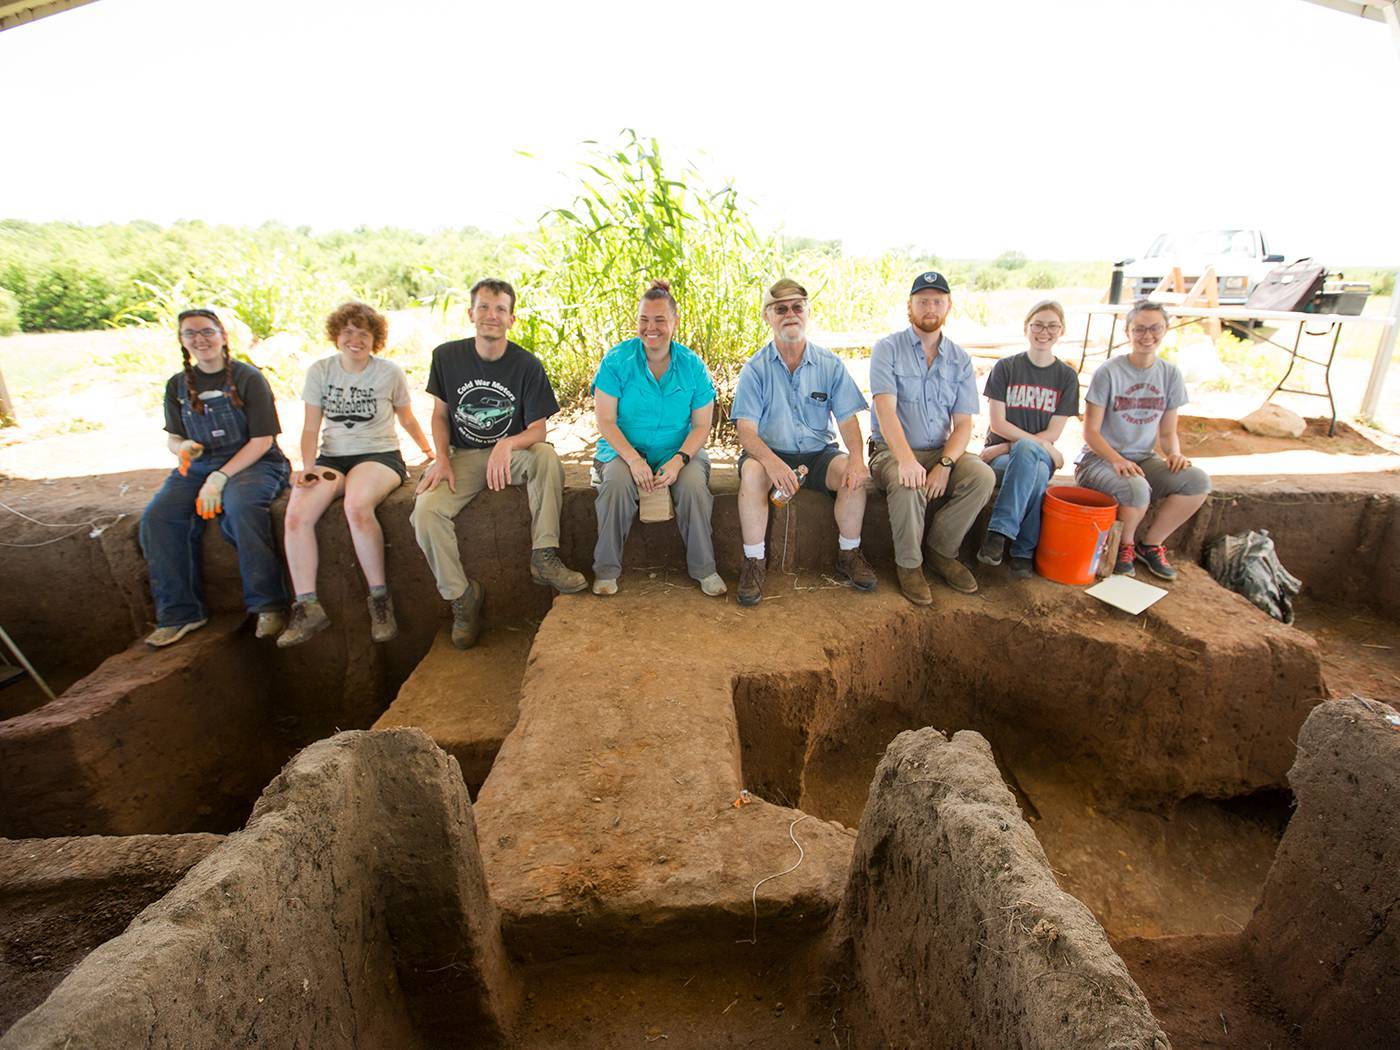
(210, 500)
(189, 450)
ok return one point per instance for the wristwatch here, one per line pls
(946, 462)
(685, 460)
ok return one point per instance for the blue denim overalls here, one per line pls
(172, 532)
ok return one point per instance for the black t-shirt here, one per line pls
(489, 400)
(252, 386)
(1032, 395)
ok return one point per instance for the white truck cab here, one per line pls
(1241, 259)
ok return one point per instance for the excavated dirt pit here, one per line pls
(1148, 755)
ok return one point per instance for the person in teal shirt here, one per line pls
(654, 402)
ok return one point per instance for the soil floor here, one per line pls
(1205, 993)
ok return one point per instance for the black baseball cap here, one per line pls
(930, 279)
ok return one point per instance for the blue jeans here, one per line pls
(1024, 474)
(172, 535)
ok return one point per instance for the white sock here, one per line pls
(753, 550)
(848, 545)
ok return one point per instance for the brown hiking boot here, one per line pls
(914, 586)
(466, 615)
(751, 581)
(382, 625)
(955, 574)
(851, 565)
(308, 620)
(548, 571)
(271, 623)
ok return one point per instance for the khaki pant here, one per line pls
(434, 513)
(969, 489)
(617, 509)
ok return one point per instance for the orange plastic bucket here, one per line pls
(1073, 522)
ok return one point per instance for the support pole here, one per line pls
(1384, 352)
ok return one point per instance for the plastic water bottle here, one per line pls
(778, 497)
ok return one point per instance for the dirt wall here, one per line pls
(1327, 929)
(352, 911)
(61, 898)
(174, 740)
(957, 932)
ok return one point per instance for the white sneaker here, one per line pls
(713, 585)
(604, 587)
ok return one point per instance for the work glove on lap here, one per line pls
(210, 500)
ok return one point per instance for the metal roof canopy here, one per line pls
(18, 12)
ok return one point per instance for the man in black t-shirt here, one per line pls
(491, 400)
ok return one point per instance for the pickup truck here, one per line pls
(1241, 259)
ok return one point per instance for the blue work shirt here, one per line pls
(794, 410)
(654, 415)
(926, 396)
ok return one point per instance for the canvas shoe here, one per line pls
(163, 636)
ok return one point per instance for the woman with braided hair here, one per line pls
(221, 423)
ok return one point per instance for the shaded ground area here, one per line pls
(61, 898)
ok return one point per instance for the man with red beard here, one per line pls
(925, 394)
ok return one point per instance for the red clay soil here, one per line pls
(1206, 994)
(466, 701)
(1360, 647)
(1214, 436)
(608, 815)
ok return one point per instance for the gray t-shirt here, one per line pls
(357, 407)
(1134, 401)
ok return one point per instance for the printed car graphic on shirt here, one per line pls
(486, 410)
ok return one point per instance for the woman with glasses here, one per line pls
(352, 399)
(1130, 414)
(221, 424)
(1030, 395)
(653, 402)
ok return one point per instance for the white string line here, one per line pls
(97, 524)
(801, 853)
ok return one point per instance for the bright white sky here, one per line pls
(965, 129)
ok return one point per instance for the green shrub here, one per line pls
(635, 220)
(1041, 277)
(989, 278)
(9, 312)
(1010, 261)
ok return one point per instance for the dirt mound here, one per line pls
(352, 911)
(958, 933)
(1327, 931)
(61, 898)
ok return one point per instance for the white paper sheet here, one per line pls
(1126, 593)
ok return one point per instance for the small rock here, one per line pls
(1270, 420)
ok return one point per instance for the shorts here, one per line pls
(815, 462)
(1133, 491)
(393, 460)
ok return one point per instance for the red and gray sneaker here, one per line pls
(1124, 565)
(1155, 558)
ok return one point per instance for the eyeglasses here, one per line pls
(195, 333)
(783, 309)
(1147, 329)
(1052, 328)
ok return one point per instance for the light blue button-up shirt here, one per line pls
(926, 396)
(794, 410)
(654, 415)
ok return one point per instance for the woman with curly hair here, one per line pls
(221, 423)
(352, 398)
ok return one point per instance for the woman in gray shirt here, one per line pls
(352, 399)
(1131, 409)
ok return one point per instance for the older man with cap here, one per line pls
(925, 394)
(788, 394)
